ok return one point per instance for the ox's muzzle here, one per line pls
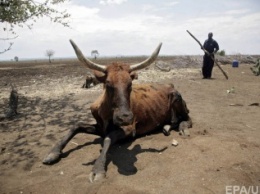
(123, 118)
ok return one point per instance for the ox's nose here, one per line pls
(125, 118)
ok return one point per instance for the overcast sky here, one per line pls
(136, 27)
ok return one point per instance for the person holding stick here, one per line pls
(212, 47)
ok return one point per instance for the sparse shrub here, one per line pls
(221, 53)
(256, 68)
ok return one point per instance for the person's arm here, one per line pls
(216, 47)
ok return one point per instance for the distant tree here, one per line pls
(221, 53)
(49, 53)
(20, 13)
(16, 58)
(95, 54)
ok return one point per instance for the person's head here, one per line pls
(210, 35)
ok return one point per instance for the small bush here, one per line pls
(221, 53)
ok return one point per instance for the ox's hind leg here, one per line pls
(184, 127)
(179, 115)
(55, 153)
(185, 121)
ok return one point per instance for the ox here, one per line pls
(90, 80)
(125, 109)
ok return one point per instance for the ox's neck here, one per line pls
(106, 106)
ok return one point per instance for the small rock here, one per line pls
(3, 149)
(174, 142)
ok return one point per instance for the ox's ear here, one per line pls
(134, 75)
(101, 77)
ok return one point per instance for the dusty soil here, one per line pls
(223, 148)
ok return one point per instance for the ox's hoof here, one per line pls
(96, 176)
(166, 130)
(51, 158)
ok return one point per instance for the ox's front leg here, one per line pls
(98, 171)
(54, 155)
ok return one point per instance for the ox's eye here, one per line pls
(109, 86)
(129, 86)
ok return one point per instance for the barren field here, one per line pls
(223, 149)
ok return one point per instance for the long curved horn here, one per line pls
(148, 61)
(87, 63)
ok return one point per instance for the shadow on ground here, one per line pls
(40, 123)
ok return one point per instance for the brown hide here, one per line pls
(135, 109)
(151, 106)
(149, 103)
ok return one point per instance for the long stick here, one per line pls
(225, 74)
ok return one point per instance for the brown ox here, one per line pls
(90, 80)
(126, 110)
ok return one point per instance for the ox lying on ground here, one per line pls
(126, 110)
(90, 80)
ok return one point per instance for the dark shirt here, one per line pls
(210, 45)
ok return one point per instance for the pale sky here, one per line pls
(136, 27)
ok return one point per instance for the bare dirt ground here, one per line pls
(223, 148)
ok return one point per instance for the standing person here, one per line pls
(212, 47)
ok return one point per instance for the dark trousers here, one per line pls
(207, 67)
